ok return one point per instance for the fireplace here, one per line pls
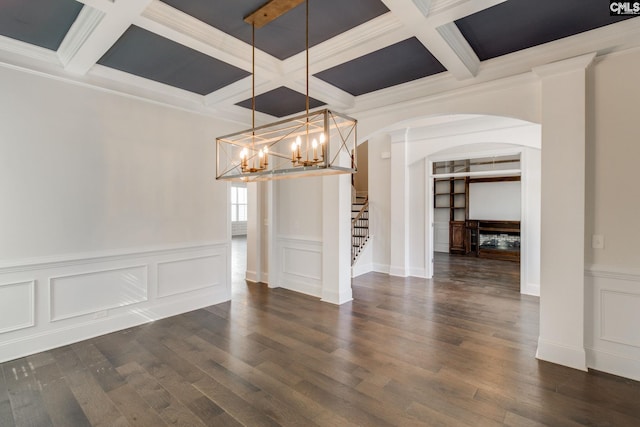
(495, 239)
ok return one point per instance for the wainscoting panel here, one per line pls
(84, 293)
(53, 302)
(612, 316)
(17, 306)
(186, 275)
(301, 264)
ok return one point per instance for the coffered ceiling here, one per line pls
(196, 54)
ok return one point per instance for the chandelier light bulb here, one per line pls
(322, 138)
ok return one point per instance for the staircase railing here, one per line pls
(359, 231)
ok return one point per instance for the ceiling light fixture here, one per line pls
(321, 142)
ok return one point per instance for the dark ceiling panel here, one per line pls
(151, 56)
(281, 102)
(285, 36)
(43, 23)
(399, 63)
(520, 24)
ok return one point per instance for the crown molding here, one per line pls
(82, 28)
(578, 63)
(25, 51)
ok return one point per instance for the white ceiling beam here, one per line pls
(173, 24)
(323, 91)
(88, 50)
(103, 5)
(423, 6)
(376, 34)
(457, 57)
(240, 90)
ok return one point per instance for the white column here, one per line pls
(336, 239)
(399, 262)
(563, 112)
(254, 232)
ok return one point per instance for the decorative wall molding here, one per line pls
(59, 261)
(59, 300)
(79, 294)
(300, 265)
(612, 313)
(612, 272)
(189, 274)
(17, 305)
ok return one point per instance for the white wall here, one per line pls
(111, 215)
(612, 282)
(298, 235)
(379, 201)
(495, 200)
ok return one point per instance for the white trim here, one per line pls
(460, 46)
(612, 272)
(573, 357)
(24, 345)
(565, 65)
(56, 261)
(615, 364)
(84, 25)
(532, 289)
(381, 268)
(31, 308)
(337, 298)
(53, 317)
(359, 269)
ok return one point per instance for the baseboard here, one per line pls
(302, 287)
(532, 289)
(360, 269)
(614, 364)
(398, 272)
(35, 343)
(337, 298)
(573, 357)
(251, 276)
(381, 268)
(418, 272)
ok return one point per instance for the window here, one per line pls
(238, 204)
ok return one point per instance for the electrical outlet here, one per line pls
(597, 241)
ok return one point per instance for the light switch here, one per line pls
(597, 241)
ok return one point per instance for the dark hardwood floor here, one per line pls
(453, 351)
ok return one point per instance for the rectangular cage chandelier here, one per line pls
(316, 143)
(320, 143)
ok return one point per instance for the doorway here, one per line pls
(239, 216)
(486, 206)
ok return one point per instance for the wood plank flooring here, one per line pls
(453, 351)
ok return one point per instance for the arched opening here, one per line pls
(403, 217)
